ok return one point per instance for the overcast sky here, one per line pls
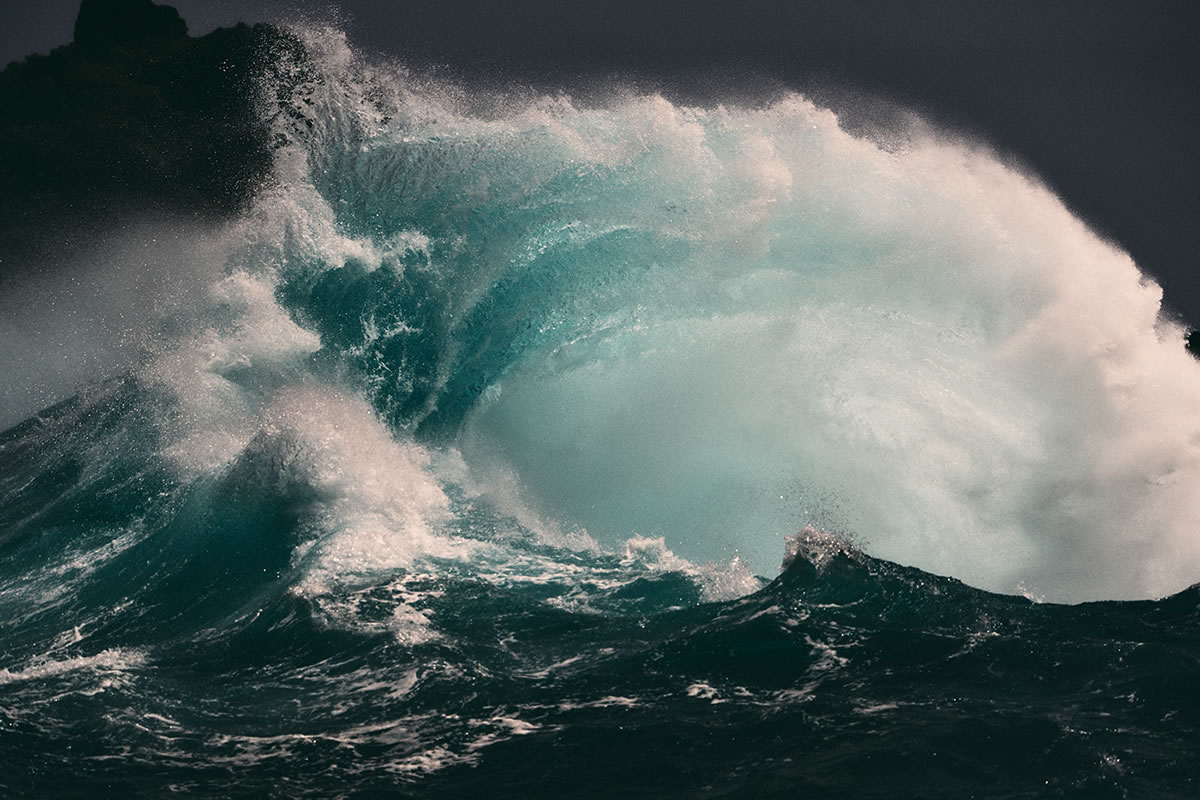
(1100, 97)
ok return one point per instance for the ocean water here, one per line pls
(514, 444)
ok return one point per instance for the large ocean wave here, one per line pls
(716, 326)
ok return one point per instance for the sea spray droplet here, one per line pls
(814, 546)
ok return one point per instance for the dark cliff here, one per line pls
(134, 115)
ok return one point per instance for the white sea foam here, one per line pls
(378, 510)
(716, 581)
(105, 664)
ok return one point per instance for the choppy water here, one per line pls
(450, 470)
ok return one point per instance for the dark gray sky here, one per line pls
(1100, 97)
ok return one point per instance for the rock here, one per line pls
(135, 117)
(103, 24)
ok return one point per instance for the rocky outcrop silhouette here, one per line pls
(107, 23)
(134, 115)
